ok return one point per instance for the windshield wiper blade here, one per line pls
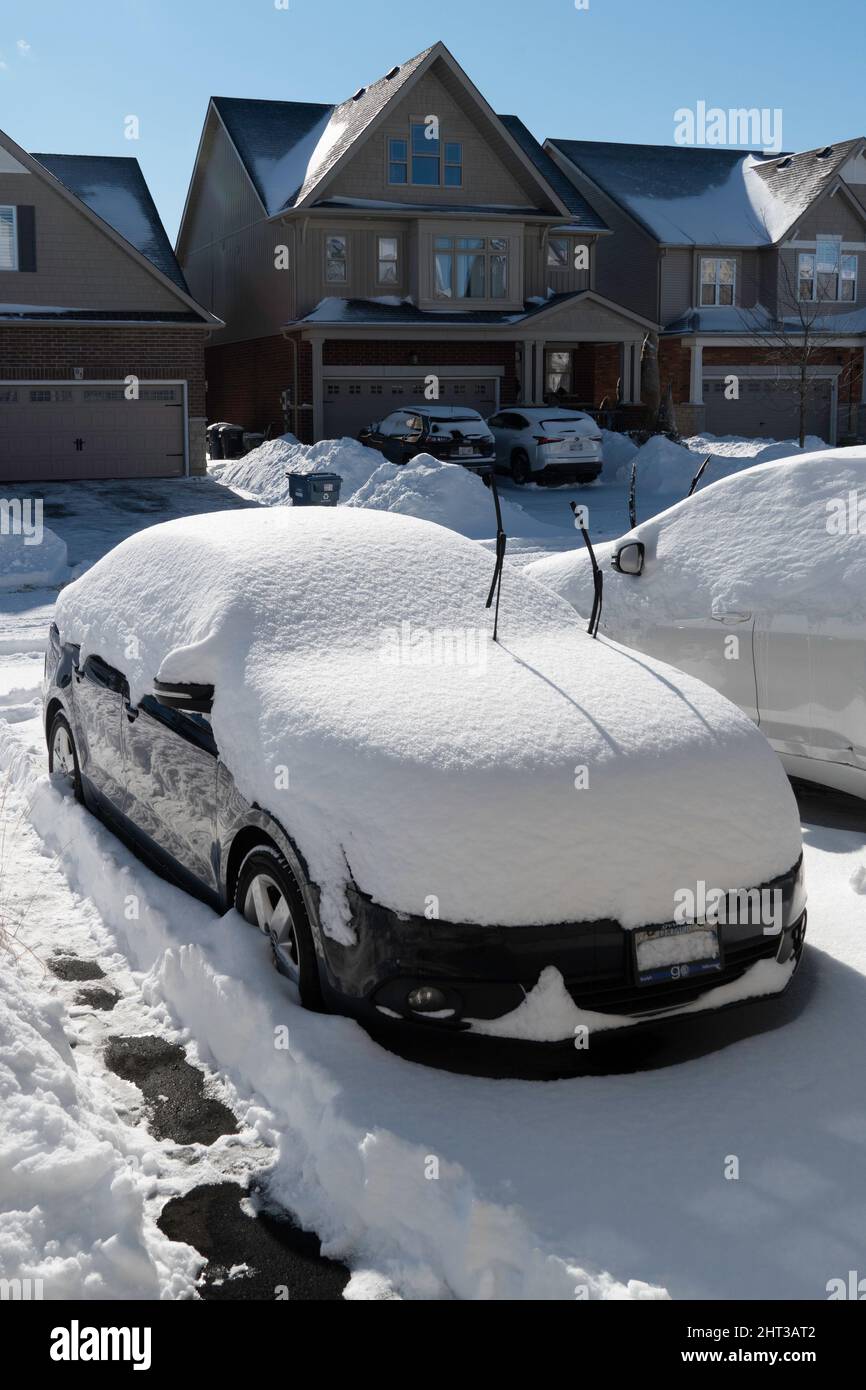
(501, 543)
(632, 496)
(597, 576)
(700, 473)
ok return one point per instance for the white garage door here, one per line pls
(51, 432)
(352, 404)
(767, 408)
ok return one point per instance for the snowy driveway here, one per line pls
(428, 1183)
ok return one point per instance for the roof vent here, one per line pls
(825, 153)
(360, 92)
(392, 73)
(786, 162)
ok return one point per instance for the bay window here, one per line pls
(718, 278)
(470, 267)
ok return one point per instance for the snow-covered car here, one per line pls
(756, 584)
(304, 715)
(547, 444)
(450, 433)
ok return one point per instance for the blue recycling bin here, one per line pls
(315, 489)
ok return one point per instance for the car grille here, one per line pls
(623, 997)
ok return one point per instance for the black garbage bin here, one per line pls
(232, 441)
(315, 489)
(214, 442)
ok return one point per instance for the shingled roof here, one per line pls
(583, 215)
(115, 189)
(687, 195)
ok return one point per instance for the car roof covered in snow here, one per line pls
(353, 649)
(687, 195)
(115, 189)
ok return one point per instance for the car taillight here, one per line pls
(545, 439)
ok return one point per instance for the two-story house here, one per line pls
(755, 267)
(101, 344)
(406, 242)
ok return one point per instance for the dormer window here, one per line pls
(718, 279)
(423, 161)
(8, 239)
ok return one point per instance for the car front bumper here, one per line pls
(486, 973)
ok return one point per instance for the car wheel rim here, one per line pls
(267, 907)
(62, 754)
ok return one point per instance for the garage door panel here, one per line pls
(767, 408)
(90, 431)
(351, 405)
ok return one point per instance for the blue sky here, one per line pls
(71, 72)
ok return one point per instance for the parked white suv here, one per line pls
(757, 585)
(547, 444)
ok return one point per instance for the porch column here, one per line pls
(318, 392)
(538, 384)
(625, 372)
(526, 374)
(696, 390)
(635, 373)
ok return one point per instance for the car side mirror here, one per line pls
(191, 699)
(629, 558)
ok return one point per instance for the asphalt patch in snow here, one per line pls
(95, 997)
(178, 1107)
(69, 967)
(251, 1253)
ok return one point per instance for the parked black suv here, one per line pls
(452, 433)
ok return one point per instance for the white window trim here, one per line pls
(811, 249)
(487, 253)
(716, 304)
(557, 236)
(335, 236)
(10, 207)
(380, 259)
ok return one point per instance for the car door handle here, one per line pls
(730, 617)
(131, 711)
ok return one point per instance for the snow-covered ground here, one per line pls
(428, 1183)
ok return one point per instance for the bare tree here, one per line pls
(797, 338)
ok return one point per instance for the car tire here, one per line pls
(520, 469)
(63, 755)
(268, 896)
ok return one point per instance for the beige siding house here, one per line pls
(101, 344)
(407, 235)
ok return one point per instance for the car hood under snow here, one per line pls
(360, 699)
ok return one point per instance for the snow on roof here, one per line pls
(699, 196)
(353, 648)
(389, 309)
(732, 318)
(585, 217)
(115, 189)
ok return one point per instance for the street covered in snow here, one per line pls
(715, 1157)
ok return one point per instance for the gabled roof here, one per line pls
(582, 214)
(687, 195)
(289, 149)
(115, 189)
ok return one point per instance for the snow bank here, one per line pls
(25, 564)
(775, 537)
(318, 629)
(440, 492)
(666, 467)
(618, 451)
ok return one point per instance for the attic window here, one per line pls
(825, 153)
(392, 73)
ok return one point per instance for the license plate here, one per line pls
(676, 952)
(466, 453)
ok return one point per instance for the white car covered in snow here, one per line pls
(757, 585)
(303, 714)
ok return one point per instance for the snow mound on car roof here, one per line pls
(782, 536)
(352, 658)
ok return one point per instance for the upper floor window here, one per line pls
(388, 272)
(336, 260)
(424, 161)
(470, 267)
(718, 278)
(557, 253)
(827, 273)
(8, 239)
